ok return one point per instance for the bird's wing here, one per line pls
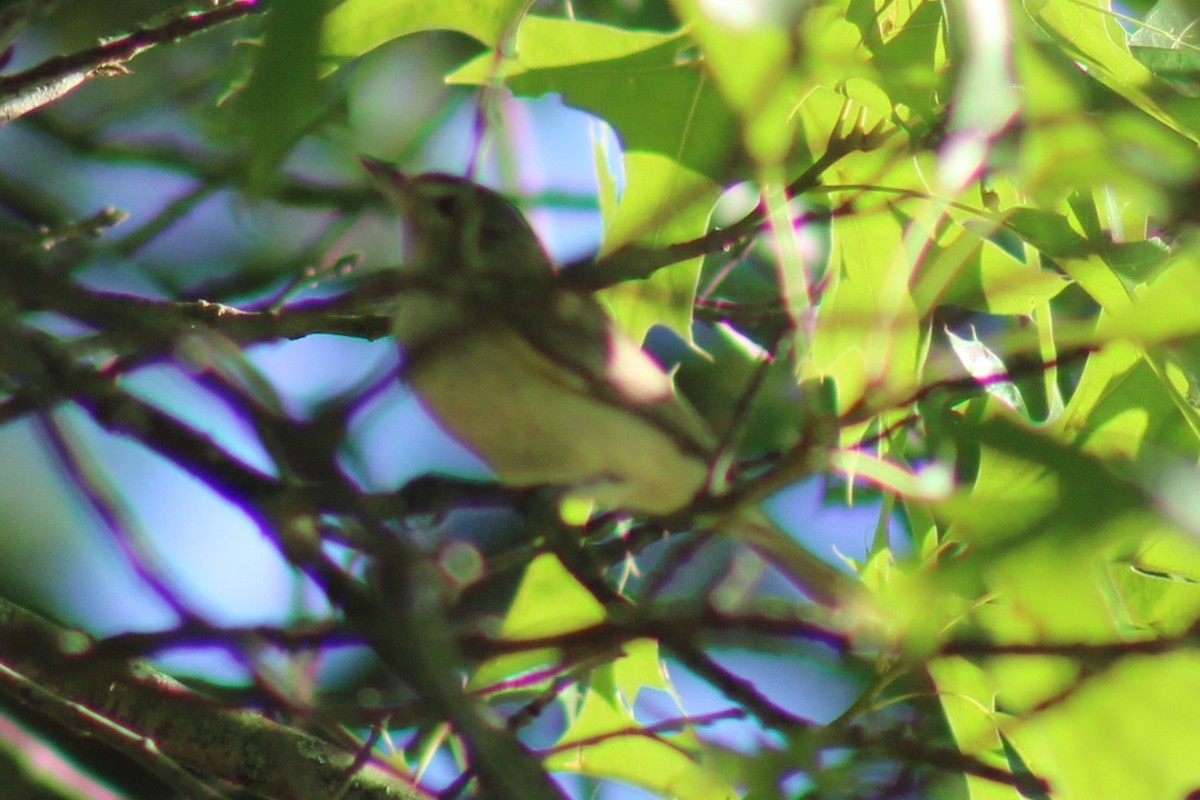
(574, 332)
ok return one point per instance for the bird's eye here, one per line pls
(446, 204)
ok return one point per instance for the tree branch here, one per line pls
(37, 86)
(158, 722)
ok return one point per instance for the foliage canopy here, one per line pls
(938, 259)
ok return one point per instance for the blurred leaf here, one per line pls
(1133, 712)
(645, 85)
(356, 27)
(752, 66)
(967, 268)
(986, 98)
(867, 334)
(282, 99)
(674, 132)
(1129, 711)
(1045, 474)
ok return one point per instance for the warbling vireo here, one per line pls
(540, 382)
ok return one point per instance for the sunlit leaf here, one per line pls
(604, 741)
(752, 67)
(549, 601)
(867, 327)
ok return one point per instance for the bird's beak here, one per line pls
(379, 169)
(391, 181)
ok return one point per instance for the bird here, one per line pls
(541, 383)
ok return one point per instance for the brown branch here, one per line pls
(106, 504)
(62, 378)
(1081, 652)
(666, 625)
(868, 407)
(23, 92)
(403, 618)
(154, 720)
(636, 262)
(737, 688)
(946, 759)
(623, 627)
(138, 330)
(651, 731)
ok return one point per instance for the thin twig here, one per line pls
(116, 519)
(124, 48)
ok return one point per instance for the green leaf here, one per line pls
(1132, 712)
(1090, 30)
(638, 667)
(1162, 312)
(674, 132)
(1032, 538)
(909, 57)
(753, 68)
(662, 203)
(605, 741)
(645, 85)
(281, 101)
(1167, 43)
(716, 382)
(867, 333)
(1020, 769)
(1159, 585)
(967, 268)
(549, 602)
(1049, 232)
(356, 27)
(967, 701)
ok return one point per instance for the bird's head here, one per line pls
(452, 226)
